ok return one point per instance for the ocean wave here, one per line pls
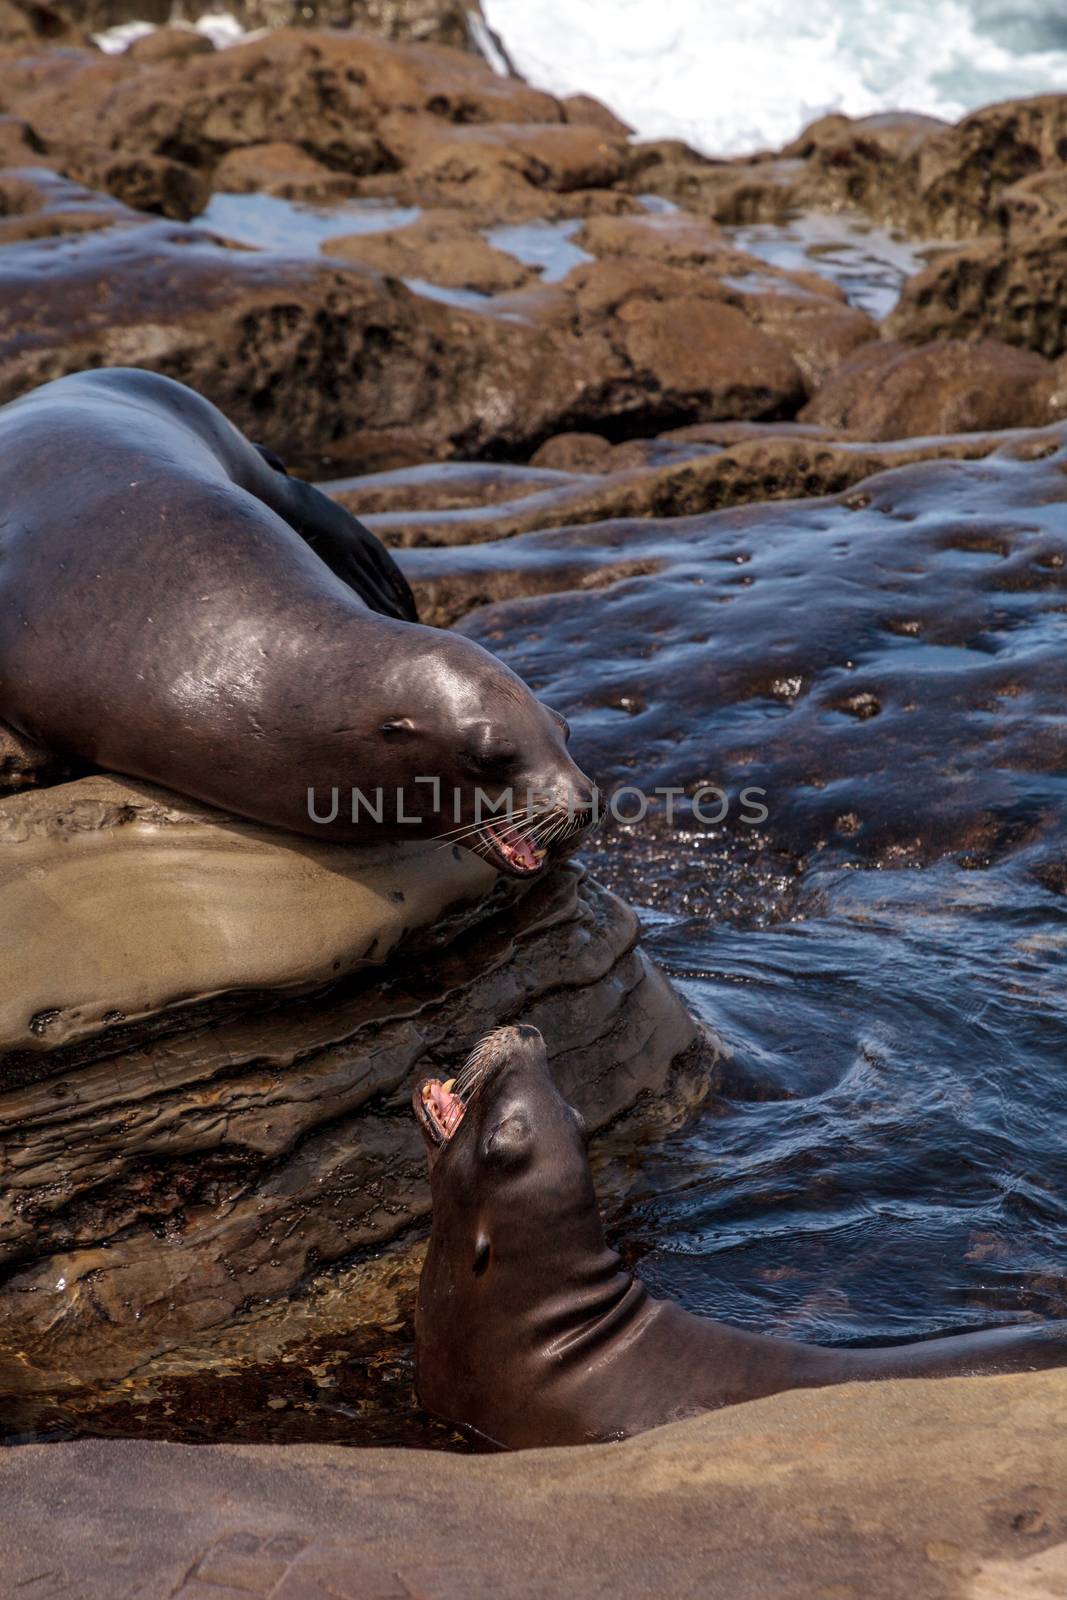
(730, 78)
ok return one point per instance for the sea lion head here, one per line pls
(479, 758)
(518, 1247)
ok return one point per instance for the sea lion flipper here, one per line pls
(351, 551)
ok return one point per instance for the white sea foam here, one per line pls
(731, 77)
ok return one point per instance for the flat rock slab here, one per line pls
(868, 1492)
(119, 901)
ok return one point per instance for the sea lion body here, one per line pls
(174, 608)
(529, 1332)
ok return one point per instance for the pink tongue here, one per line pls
(521, 851)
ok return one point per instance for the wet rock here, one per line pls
(678, 482)
(750, 647)
(284, 170)
(993, 290)
(441, 248)
(38, 204)
(808, 314)
(161, 1085)
(889, 390)
(943, 1488)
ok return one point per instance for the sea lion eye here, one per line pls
(397, 727)
(491, 752)
(481, 1256)
(510, 1141)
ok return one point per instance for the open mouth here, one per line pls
(512, 850)
(440, 1106)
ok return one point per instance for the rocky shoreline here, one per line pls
(538, 360)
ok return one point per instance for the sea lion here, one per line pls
(175, 608)
(528, 1331)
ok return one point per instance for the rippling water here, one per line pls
(895, 1164)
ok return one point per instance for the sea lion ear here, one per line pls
(510, 1141)
(396, 727)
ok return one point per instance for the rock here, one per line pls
(167, 1080)
(169, 44)
(940, 1488)
(593, 113)
(988, 289)
(168, 905)
(827, 651)
(499, 169)
(682, 482)
(325, 92)
(575, 452)
(808, 314)
(24, 765)
(963, 172)
(892, 391)
(19, 145)
(284, 170)
(1032, 204)
(38, 204)
(446, 22)
(145, 183)
(27, 24)
(439, 247)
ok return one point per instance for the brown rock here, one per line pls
(440, 247)
(145, 183)
(424, 21)
(937, 1489)
(1032, 204)
(508, 170)
(24, 765)
(284, 170)
(892, 391)
(26, 24)
(963, 172)
(807, 313)
(325, 92)
(594, 114)
(169, 44)
(989, 289)
(575, 452)
(19, 145)
(38, 204)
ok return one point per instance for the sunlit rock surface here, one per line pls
(953, 1490)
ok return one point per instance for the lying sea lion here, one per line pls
(175, 608)
(528, 1331)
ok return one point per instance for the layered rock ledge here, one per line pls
(209, 1035)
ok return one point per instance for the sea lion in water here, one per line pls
(528, 1332)
(175, 608)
